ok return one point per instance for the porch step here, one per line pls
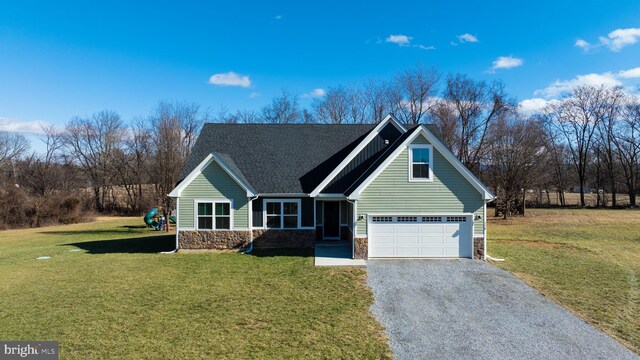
(333, 243)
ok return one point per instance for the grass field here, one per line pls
(586, 260)
(118, 298)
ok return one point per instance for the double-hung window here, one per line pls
(213, 215)
(282, 214)
(420, 162)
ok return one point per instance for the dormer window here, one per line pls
(420, 163)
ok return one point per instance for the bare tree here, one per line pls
(465, 112)
(577, 118)
(412, 93)
(608, 114)
(12, 147)
(132, 163)
(516, 148)
(333, 107)
(284, 109)
(174, 129)
(558, 159)
(375, 97)
(93, 142)
(627, 144)
(42, 172)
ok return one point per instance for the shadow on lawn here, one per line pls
(139, 245)
(281, 252)
(93, 232)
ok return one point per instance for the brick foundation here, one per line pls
(360, 248)
(214, 239)
(271, 238)
(478, 248)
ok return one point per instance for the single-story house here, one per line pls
(388, 189)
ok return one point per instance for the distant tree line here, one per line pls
(97, 164)
(588, 140)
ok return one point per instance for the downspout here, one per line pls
(354, 223)
(177, 213)
(250, 249)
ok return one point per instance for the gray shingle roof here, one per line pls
(278, 158)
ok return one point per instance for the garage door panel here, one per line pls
(433, 240)
(413, 251)
(382, 252)
(394, 238)
(406, 229)
(385, 240)
(432, 229)
(407, 240)
(381, 229)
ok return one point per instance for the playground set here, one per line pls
(156, 220)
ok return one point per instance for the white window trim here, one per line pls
(420, 146)
(264, 213)
(213, 201)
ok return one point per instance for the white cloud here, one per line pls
(559, 87)
(622, 37)
(582, 44)
(506, 62)
(630, 74)
(230, 79)
(534, 105)
(315, 93)
(401, 40)
(467, 38)
(425, 47)
(615, 40)
(22, 126)
(278, 17)
(405, 40)
(254, 95)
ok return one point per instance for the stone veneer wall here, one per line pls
(361, 247)
(215, 239)
(478, 248)
(235, 239)
(272, 238)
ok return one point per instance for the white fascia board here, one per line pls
(198, 170)
(376, 130)
(474, 181)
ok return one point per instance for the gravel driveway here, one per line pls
(464, 309)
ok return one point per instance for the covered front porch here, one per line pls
(334, 220)
(335, 228)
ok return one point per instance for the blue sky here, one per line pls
(60, 59)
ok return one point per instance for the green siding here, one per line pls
(213, 183)
(392, 192)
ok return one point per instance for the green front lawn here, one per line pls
(586, 260)
(118, 298)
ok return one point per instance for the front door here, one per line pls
(331, 215)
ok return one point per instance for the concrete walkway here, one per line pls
(336, 255)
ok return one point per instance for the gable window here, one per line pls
(213, 215)
(282, 214)
(420, 162)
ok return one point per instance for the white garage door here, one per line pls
(420, 236)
